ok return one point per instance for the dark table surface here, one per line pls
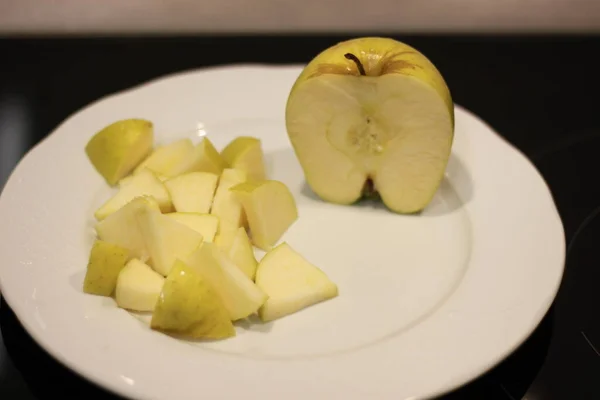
(539, 92)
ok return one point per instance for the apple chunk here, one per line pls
(138, 286)
(193, 192)
(189, 307)
(105, 263)
(119, 147)
(204, 158)
(291, 282)
(166, 239)
(166, 158)
(225, 205)
(240, 295)
(122, 228)
(372, 114)
(270, 209)
(143, 184)
(241, 253)
(205, 224)
(245, 153)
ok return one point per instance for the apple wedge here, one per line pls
(166, 158)
(225, 205)
(204, 158)
(245, 153)
(119, 147)
(189, 307)
(240, 295)
(105, 263)
(205, 224)
(372, 115)
(193, 192)
(241, 253)
(138, 287)
(122, 228)
(144, 183)
(270, 209)
(166, 239)
(291, 282)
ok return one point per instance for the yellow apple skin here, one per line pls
(118, 148)
(105, 263)
(335, 175)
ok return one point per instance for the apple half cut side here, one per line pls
(372, 114)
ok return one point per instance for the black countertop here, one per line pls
(539, 92)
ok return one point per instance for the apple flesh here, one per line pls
(270, 209)
(241, 253)
(240, 295)
(121, 227)
(372, 114)
(189, 307)
(118, 148)
(245, 153)
(203, 158)
(144, 183)
(205, 224)
(166, 239)
(166, 159)
(225, 205)
(193, 192)
(291, 282)
(138, 286)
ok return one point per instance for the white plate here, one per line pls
(426, 302)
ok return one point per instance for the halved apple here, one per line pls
(166, 239)
(145, 183)
(372, 115)
(138, 286)
(245, 153)
(205, 224)
(291, 282)
(240, 295)
(270, 209)
(193, 192)
(119, 147)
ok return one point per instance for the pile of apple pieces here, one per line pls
(174, 239)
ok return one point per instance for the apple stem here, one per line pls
(359, 65)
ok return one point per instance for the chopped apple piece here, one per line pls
(118, 148)
(105, 263)
(144, 183)
(204, 158)
(225, 236)
(193, 192)
(138, 286)
(166, 239)
(242, 254)
(225, 205)
(166, 158)
(270, 209)
(291, 282)
(205, 224)
(246, 153)
(189, 307)
(240, 295)
(122, 228)
(123, 182)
